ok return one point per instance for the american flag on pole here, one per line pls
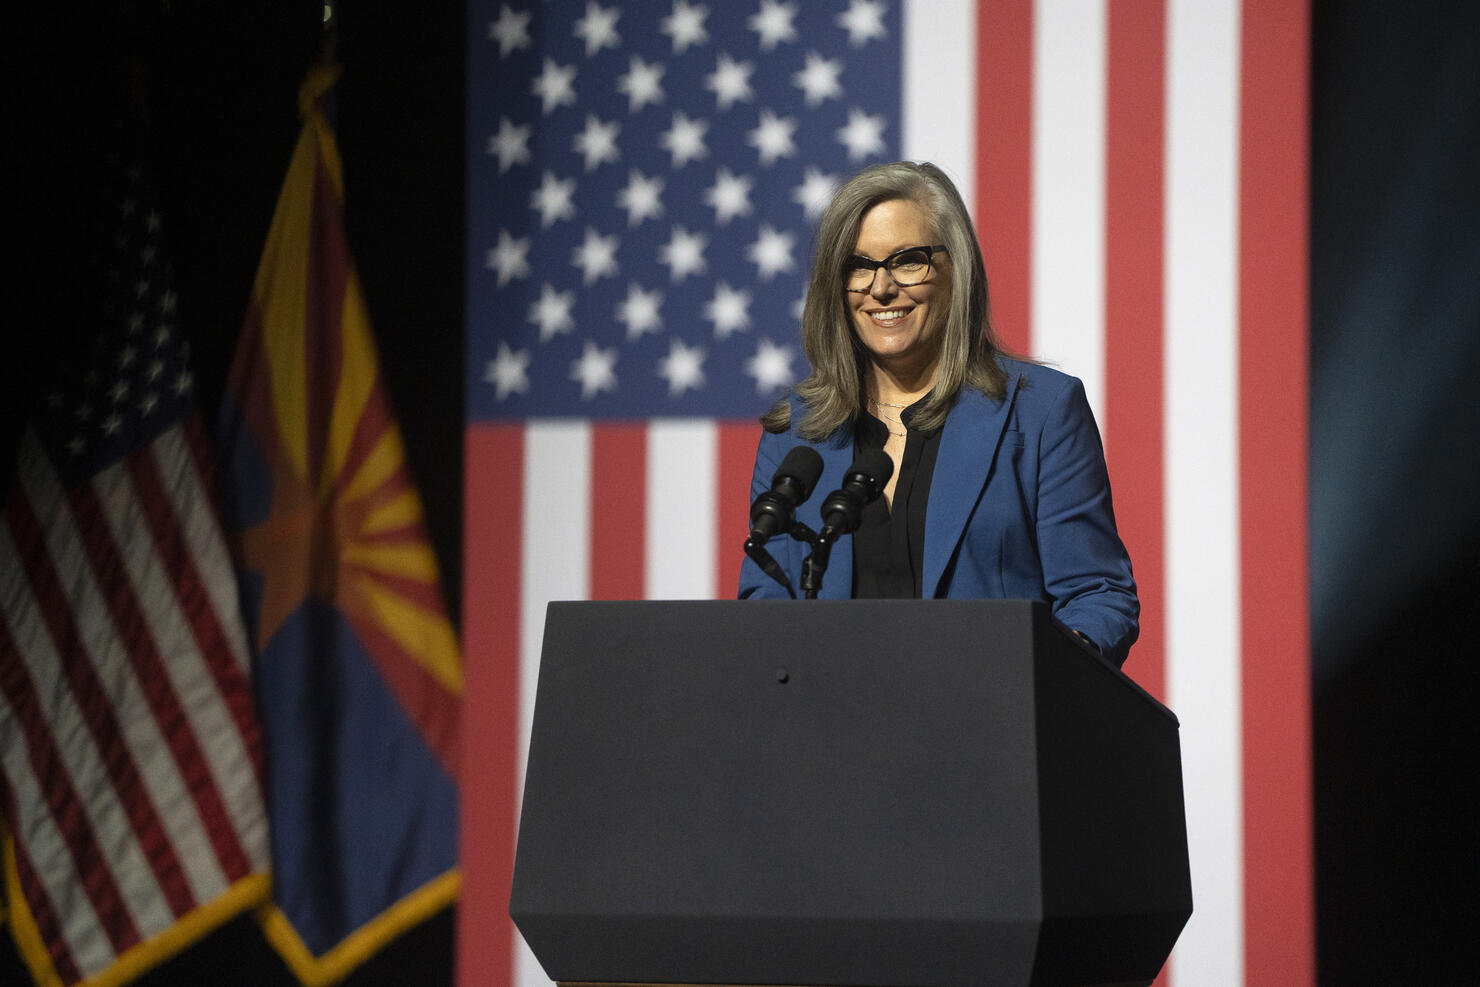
(132, 756)
(643, 184)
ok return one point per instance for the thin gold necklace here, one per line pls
(886, 419)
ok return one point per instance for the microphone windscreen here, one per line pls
(804, 466)
(875, 464)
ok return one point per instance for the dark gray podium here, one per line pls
(902, 793)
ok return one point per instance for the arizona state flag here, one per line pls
(357, 668)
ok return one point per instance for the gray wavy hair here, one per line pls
(833, 391)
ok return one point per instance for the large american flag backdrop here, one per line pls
(643, 183)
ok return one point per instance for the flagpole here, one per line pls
(330, 52)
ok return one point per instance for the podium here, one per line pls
(900, 793)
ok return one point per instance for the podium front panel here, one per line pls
(793, 792)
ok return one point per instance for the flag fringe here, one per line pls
(365, 941)
(245, 894)
(23, 930)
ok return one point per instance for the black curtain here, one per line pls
(1395, 488)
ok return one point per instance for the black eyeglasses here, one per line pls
(908, 267)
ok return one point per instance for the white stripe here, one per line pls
(1068, 191)
(682, 456)
(146, 744)
(208, 719)
(78, 922)
(177, 468)
(555, 565)
(938, 120)
(556, 541)
(109, 657)
(1202, 570)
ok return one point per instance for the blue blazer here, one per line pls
(1019, 509)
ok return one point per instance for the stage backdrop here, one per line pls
(643, 181)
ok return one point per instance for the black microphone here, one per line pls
(842, 511)
(774, 511)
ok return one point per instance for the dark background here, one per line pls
(1395, 362)
(1395, 489)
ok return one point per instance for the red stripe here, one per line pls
(183, 575)
(62, 800)
(37, 900)
(1134, 152)
(618, 508)
(736, 462)
(88, 691)
(1004, 162)
(1278, 865)
(492, 454)
(1134, 241)
(180, 574)
(238, 697)
(199, 444)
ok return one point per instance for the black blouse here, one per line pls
(889, 545)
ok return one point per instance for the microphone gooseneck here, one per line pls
(774, 512)
(842, 512)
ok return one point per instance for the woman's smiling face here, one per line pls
(900, 326)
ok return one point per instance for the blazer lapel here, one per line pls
(966, 458)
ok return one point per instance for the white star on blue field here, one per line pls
(645, 181)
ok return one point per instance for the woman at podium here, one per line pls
(998, 486)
